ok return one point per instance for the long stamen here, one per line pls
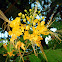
(2, 16)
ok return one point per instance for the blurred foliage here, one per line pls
(57, 24)
(2, 58)
(57, 2)
(55, 43)
(52, 56)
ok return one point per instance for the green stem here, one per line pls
(6, 59)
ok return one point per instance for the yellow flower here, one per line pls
(4, 54)
(12, 40)
(16, 21)
(27, 27)
(40, 14)
(42, 23)
(38, 43)
(19, 14)
(39, 19)
(26, 35)
(40, 38)
(11, 53)
(23, 16)
(20, 44)
(24, 20)
(45, 33)
(10, 32)
(38, 11)
(18, 28)
(37, 40)
(35, 37)
(33, 28)
(12, 23)
(42, 17)
(14, 36)
(28, 18)
(34, 23)
(44, 30)
(30, 10)
(39, 23)
(22, 29)
(5, 46)
(25, 10)
(36, 20)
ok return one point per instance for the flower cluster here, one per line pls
(31, 23)
(29, 27)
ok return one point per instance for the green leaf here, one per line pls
(30, 31)
(9, 48)
(54, 55)
(1, 44)
(57, 25)
(2, 58)
(18, 59)
(2, 50)
(40, 56)
(34, 58)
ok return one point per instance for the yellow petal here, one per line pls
(42, 23)
(28, 18)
